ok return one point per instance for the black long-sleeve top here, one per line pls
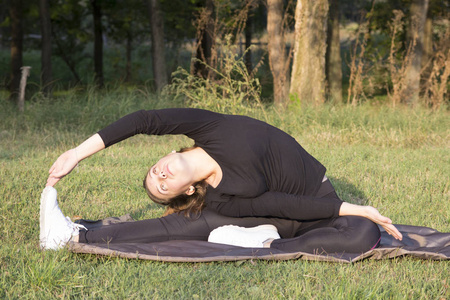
(265, 171)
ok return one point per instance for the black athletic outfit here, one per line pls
(266, 173)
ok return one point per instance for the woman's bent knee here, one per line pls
(366, 234)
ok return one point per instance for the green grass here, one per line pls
(395, 159)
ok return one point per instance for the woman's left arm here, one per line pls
(278, 205)
(302, 208)
(371, 213)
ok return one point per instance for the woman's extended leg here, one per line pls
(342, 234)
(178, 227)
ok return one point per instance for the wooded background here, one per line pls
(300, 51)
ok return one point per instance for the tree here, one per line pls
(248, 42)
(278, 60)
(427, 45)
(418, 15)
(70, 33)
(98, 42)
(205, 41)
(158, 48)
(435, 15)
(4, 28)
(308, 70)
(16, 15)
(333, 61)
(128, 23)
(46, 47)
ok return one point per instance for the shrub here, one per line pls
(231, 89)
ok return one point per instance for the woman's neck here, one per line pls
(205, 167)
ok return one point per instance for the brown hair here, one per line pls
(189, 204)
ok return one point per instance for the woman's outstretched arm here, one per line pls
(67, 161)
(278, 205)
(190, 122)
(302, 208)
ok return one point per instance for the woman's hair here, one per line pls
(189, 204)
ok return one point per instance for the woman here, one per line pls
(239, 169)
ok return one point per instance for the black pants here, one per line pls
(341, 234)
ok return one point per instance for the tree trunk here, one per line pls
(308, 70)
(98, 43)
(15, 12)
(277, 52)
(129, 48)
(23, 85)
(69, 62)
(158, 51)
(46, 47)
(248, 44)
(5, 33)
(205, 42)
(426, 63)
(333, 61)
(418, 15)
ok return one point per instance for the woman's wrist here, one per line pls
(88, 147)
(348, 209)
(76, 154)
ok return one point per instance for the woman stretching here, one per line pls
(241, 171)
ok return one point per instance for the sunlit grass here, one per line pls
(395, 159)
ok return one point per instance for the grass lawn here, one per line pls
(397, 160)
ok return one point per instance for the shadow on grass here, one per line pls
(347, 191)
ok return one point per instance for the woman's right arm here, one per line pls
(69, 159)
(190, 122)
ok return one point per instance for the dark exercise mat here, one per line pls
(419, 242)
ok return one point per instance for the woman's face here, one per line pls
(170, 177)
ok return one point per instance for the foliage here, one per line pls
(70, 35)
(230, 90)
(358, 64)
(437, 82)
(373, 72)
(380, 60)
(398, 67)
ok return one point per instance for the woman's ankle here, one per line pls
(75, 238)
(267, 243)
